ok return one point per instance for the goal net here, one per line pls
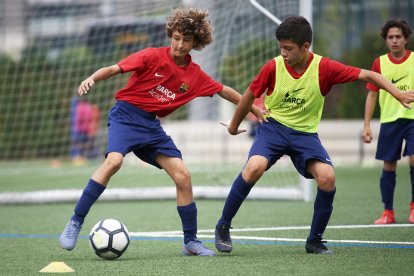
(50, 46)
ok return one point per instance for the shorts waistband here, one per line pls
(136, 109)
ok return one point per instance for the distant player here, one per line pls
(162, 80)
(295, 84)
(397, 123)
(84, 131)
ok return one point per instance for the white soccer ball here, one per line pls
(109, 238)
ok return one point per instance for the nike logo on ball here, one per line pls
(159, 75)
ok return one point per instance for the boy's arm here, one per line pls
(405, 98)
(230, 94)
(233, 96)
(370, 104)
(101, 74)
(243, 107)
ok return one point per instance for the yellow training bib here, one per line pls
(402, 76)
(297, 103)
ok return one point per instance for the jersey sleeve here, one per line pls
(265, 80)
(376, 68)
(136, 61)
(333, 72)
(208, 86)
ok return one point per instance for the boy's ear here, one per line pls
(306, 45)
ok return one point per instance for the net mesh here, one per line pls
(51, 46)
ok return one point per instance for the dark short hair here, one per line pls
(295, 28)
(396, 23)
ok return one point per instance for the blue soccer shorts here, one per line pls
(391, 137)
(273, 140)
(133, 129)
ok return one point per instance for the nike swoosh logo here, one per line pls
(191, 252)
(297, 90)
(397, 80)
(159, 75)
(226, 245)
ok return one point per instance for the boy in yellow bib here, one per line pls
(295, 84)
(397, 123)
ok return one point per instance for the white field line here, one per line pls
(174, 234)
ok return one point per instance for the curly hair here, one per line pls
(191, 22)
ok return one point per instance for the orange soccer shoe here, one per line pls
(386, 218)
(411, 219)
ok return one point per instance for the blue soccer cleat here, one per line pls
(70, 234)
(196, 248)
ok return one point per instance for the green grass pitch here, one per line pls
(28, 233)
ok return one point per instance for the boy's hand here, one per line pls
(231, 131)
(366, 135)
(85, 86)
(406, 98)
(260, 114)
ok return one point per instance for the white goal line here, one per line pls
(282, 228)
(174, 234)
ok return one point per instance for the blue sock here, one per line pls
(412, 183)
(188, 215)
(322, 212)
(238, 193)
(90, 194)
(387, 186)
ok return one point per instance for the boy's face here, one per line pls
(292, 53)
(181, 44)
(395, 40)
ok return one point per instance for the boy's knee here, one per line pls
(113, 163)
(182, 177)
(252, 174)
(326, 182)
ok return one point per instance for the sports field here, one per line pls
(268, 235)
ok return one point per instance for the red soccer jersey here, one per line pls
(330, 73)
(159, 85)
(376, 67)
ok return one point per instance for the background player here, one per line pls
(296, 83)
(85, 118)
(162, 80)
(397, 123)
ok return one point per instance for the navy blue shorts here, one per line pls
(391, 137)
(273, 140)
(133, 129)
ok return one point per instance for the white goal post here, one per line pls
(154, 193)
(265, 12)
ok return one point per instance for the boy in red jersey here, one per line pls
(162, 80)
(397, 123)
(295, 84)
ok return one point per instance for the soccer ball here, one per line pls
(109, 238)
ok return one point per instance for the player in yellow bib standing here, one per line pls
(295, 84)
(397, 123)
